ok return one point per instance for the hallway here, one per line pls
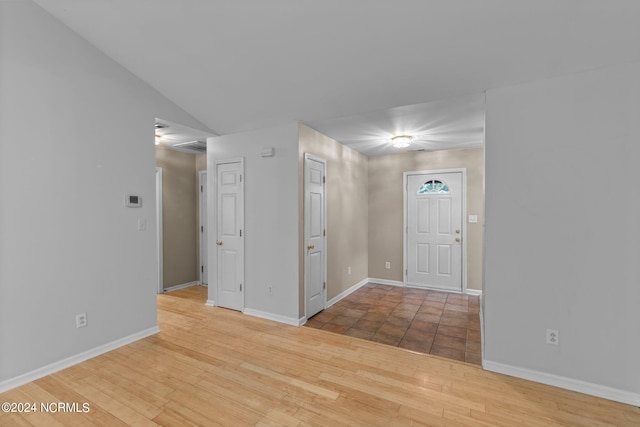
(433, 322)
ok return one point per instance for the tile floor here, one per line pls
(439, 323)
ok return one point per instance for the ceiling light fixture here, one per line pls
(401, 141)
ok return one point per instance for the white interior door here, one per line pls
(204, 248)
(434, 230)
(315, 235)
(230, 242)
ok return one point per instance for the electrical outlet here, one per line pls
(270, 289)
(553, 337)
(81, 320)
(348, 270)
(387, 265)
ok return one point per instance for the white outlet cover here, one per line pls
(81, 320)
(553, 337)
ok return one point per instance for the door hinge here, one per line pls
(202, 269)
(324, 285)
(324, 232)
(240, 233)
(201, 188)
(324, 179)
(406, 272)
(202, 228)
(240, 287)
(240, 178)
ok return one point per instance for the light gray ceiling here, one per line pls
(439, 125)
(181, 138)
(244, 64)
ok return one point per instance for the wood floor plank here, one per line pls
(215, 367)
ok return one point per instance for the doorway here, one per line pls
(434, 232)
(159, 235)
(204, 270)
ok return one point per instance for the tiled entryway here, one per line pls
(439, 323)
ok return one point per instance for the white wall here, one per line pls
(271, 216)
(562, 230)
(76, 135)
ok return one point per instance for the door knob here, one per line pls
(310, 246)
(457, 231)
(458, 239)
(219, 243)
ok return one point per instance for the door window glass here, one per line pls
(433, 186)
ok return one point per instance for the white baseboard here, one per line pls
(473, 291)
(210, 303)
(385, 282)
(563, 382)
(73, 360)
(275, 317)
(347, 292)
(181, 286)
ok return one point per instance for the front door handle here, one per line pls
(310, 246)
(219, 243)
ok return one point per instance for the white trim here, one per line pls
(473, 291)
(73, 360)
(202, 226)
(181, 286)
(159, 235)
(347, 292)
(386, 282)
(210, 303)
(405, 177)
(275, 317)
(564, 382)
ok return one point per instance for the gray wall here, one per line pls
(562, 227)
(76, 135)
(271, 216)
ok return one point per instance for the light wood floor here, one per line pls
(211, 366)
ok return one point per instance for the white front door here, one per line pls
(315, 235)
(434, 230)
(204, 271)
(230, 243)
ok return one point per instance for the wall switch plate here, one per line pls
(270, 289)
(348, 270)
(553, 337)
(387, 265)
(473, 219)
(142, 224)
(81, 320)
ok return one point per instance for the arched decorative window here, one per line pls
(433, 186)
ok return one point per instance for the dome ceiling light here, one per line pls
(401, 141)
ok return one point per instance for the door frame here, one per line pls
(306, 232)
(214, 229)
(405, 201)
(202, 216)
(159, 233)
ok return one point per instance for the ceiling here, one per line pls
(439, 125)
(181, 138)
(247, 64)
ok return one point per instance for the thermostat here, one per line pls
(132, 201)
